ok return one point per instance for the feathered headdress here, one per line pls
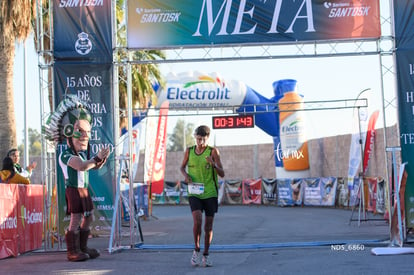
(60, 123)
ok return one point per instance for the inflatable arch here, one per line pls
(195, 90)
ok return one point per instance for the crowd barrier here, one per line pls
(323, 192)
(21, 218)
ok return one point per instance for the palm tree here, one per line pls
(16, 18)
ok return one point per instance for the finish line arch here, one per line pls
(244, 52)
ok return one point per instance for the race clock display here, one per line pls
(231, 122)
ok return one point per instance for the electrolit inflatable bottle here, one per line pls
(292, 132)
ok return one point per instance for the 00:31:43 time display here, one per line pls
(228, 122)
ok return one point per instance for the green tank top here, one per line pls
(201, 171)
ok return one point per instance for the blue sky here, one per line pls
(33, 91)
(319, 79)
(327, 78)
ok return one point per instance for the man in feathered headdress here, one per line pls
(72, 121)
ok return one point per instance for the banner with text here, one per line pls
(269, 191)
(161, 24)
(21, 218)
(252, 191)
(404, 36)
(232, 192)
(8, 220)
(160, 152)
(93, 84)
(82, 30)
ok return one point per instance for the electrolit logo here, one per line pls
(200, 90)
(293, 128)
(205, 79)
(188, 91)
(203, 91)
(197, 94)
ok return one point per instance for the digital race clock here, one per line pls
(230, 122)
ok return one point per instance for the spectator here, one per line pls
(9, 175)
(14, 154)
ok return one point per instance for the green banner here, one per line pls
(173, 23)
(404, 36)
(93, 84)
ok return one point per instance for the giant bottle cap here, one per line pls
(282, 86)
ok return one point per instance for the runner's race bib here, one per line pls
(196, 188)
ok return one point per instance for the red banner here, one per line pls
(158, 168)
(30, 217)
(252, 191)
(21, 218)
(8, 220)
(369, 143)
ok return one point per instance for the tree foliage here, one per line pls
(16, 19)
(182, 134)
(35, 143)
(144, 73)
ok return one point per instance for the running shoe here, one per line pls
(195, 259)
(206, 261)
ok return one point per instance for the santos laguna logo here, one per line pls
(83, 45)
(30, 216)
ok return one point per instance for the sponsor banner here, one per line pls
(252, 191)
(136, 138)
(150, 135)
(371, 196)
(172, 192)
(160, 152)
(381, 198)
(269, 191)
(370, 139)
(157, 199)
(93, 84)
(30, 217)
(404, 36)
(342, 192)
(403, 24)
(183, 192)
(398, 219)
(354, 194)
(141, 199)
(21, 219)
(232, 192)
(289, 192)
(8, 220)
(160, 24)
(359, 132)
(82, 30)
(201, 90)
(312, 192)
(405, 82)
(328, 191)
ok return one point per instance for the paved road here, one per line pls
(247, 240)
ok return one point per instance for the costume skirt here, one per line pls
(78, 200)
